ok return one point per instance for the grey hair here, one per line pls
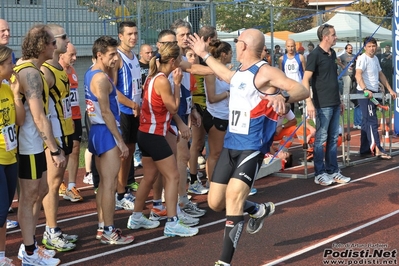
(179, 23)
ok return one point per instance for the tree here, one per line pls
(245, 14)
(256, 14)
(376, 10)
(295, 16)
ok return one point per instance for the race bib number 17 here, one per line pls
(239, 121)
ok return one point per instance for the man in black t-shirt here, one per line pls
(386, 64)
(146, 54)
(321, 72)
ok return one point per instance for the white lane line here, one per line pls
(334, 187)
(328, 240)
(222, 220)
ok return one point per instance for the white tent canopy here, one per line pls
(227, 37)
(347, 27)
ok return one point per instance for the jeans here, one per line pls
(357, 116)
(327, 131)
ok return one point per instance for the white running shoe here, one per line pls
(12, 224)
(57, 241)
(323, 179)
(126, 203)
(38, 258)
(88, 179)
(201, 160)
(197, 188)
(255, 223)
(116, 238)
(6, 262)
(192, 210)
(339, 178)
(173, 229)
(143, 222)
(187, 219)
(47, 252)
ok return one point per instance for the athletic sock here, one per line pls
(137, 215)
(251, 207)
(108, 229)
(172, 220)
(30, 249)
(193, 178)
(120, 196)
(71, 185)
(101, 225)
(183, 200)
(232, 232)
(157, 204)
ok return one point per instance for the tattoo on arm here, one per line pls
(35, 88)
(43, 136)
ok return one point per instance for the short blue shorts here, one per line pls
(100, 139)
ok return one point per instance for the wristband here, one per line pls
(206, 57)
(56, 153)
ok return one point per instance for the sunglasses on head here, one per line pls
(174, 42)
(62, 36)
(322, 29)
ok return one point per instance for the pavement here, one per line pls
(342, 224)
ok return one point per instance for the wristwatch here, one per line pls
(285, 95)
(56, 153)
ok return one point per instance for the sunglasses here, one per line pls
(62, 36)
(54, 42)
(236, 40)
(174, 42)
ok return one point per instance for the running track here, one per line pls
(309, 220)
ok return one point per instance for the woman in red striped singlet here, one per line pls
(160, 102)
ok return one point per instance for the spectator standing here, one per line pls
(386, 64)
(277, 54)
(345, 61)
(368, 76)
(321, 72)
(121, 12)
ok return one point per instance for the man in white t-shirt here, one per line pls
(368, 76)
